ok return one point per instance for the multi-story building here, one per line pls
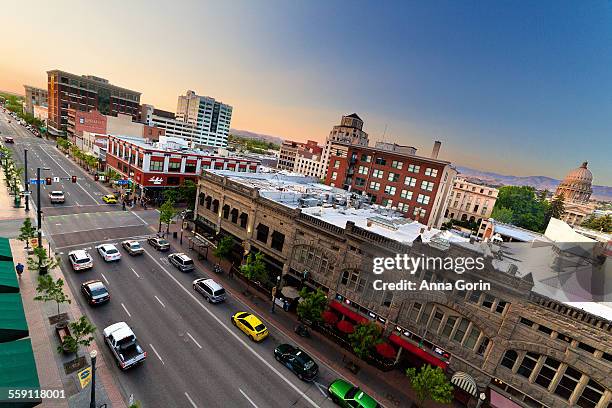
(349, 131)
(394, 176)
(34, 97)
(302, 158)
(153, 166)
(470, 202)
(167, 120)
(210, 118)
(516, 342)
(288, 155)
(85, 93)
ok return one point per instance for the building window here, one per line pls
(529, 362)
(381, 161)
(482, 348)
(425, 315)
(201, 198)
(190, 167)
(431, 172)
(526, 322)
(244, 219)
(386, 202)
(403, 207)
(414, 312)
(413, 168)
(406, 194)
(393, 176)
(336, 164)
(374, 185)
(334, 175)
(278, 240)
(226, 211)
(156, 165)
(591, 395)
(461, 328)
(390, 190)
(427, 185)
(262, 233)
(410, 181)
(470, 339)
(501, 306)
(419, 212)
(509, 359)
(362, 170)
(435, 321)
(448, 326)
(487, 302)
(234, 215)
(547, 372)
(378, 173)
(174, 166)
(568, 383)
(423, 199)
(366, 158)
(397, 164)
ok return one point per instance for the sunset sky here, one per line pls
(515, 87)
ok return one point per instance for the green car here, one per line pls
(347, 395)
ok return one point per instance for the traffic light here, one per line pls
(74, 179)
(96, 177)
(48, 181)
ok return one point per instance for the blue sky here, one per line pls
(516, 87)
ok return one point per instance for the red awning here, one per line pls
(339, 307)
(419, 352)
(345, 327)
(329, 317)
(386, 350)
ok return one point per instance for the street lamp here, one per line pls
(274, 291)
(27, 182)
(39, 211)
(481, 398)
(92, 402)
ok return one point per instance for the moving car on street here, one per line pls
(9, 139)
(181, 261)
(95, 292)
(250, 325)
(109, 199)
(57, 197)
(297, 361)
(211, 290)
(80, 260)
(159, 243)
(124, 346)
(109, 252)
(133, 247)
(347, 395)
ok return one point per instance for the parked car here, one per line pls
(181, 261)
(347, 395)
(57, 197)
(159, 243)
(109, 199)
(9, 139)
(250, 325)
(80, 260)
(297, 361)
(211, 290)
(133, 247)
(124, 345)
(95, 292)
(109, 252)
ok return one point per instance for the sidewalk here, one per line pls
(391, 388)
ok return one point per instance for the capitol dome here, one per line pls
(576, 186)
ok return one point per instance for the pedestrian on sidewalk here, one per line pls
(19, 268)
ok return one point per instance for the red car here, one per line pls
(9, 140)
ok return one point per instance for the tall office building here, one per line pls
(210, 117)
(85, 93)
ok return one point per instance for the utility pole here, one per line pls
(92, 402)
(26, 181)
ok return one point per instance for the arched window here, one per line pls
(244, 220)
(472, 218)
(464, 217)
(208, 201)
(226, 211)
(234, 214)
(215, 206)
(201, 198)
(509, 359)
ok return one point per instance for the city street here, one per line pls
(195, 357)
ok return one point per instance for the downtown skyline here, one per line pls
(520, 90)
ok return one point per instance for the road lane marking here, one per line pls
(321, 388)
(247, 397)
(126, 311)
(135, 273)
(194, 340)
(138, 216)
(238, 338)
(191, 401)
(157, 354)
(160, 302)
(105, 280)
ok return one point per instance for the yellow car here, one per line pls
(250, 325)
(109, 199)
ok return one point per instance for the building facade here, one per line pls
(394, 176)
(167, 121)
(520, 348)
(470, 202)
(34, 97)
(576, 189)
(85, 93)
(209, 117)
(349, 131)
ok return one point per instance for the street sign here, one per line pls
(56, 179)
(84, 377)
(122, 182)
(35, 181)
(26, 193)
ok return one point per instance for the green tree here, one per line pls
(502, 214)
(166, 214)
(50, 290)
(40, 261)
(312, 305)
(187, 193)
(364, 338)
(27, 232)
(255, 269)
(81, 334)
(527, 211)
(430, 384)
(603, 224)
(556, 208)
(224, 247)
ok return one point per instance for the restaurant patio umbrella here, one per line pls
(345, 327)
(329, 317)
(290, 292)
(386, 350)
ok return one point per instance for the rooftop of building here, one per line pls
(35, 88)
(401, 153)
(93, 78)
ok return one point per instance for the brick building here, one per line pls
(394, 176)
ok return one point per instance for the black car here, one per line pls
(159, 243)
(95, 292)
(297, 361)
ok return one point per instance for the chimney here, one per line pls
(436, 149)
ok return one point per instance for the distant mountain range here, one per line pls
(257, 136)
(603, 193)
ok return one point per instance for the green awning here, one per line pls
(18, 369)
(13, 324)
(8, 278)
(5, 250)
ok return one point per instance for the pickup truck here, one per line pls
(122, 342)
